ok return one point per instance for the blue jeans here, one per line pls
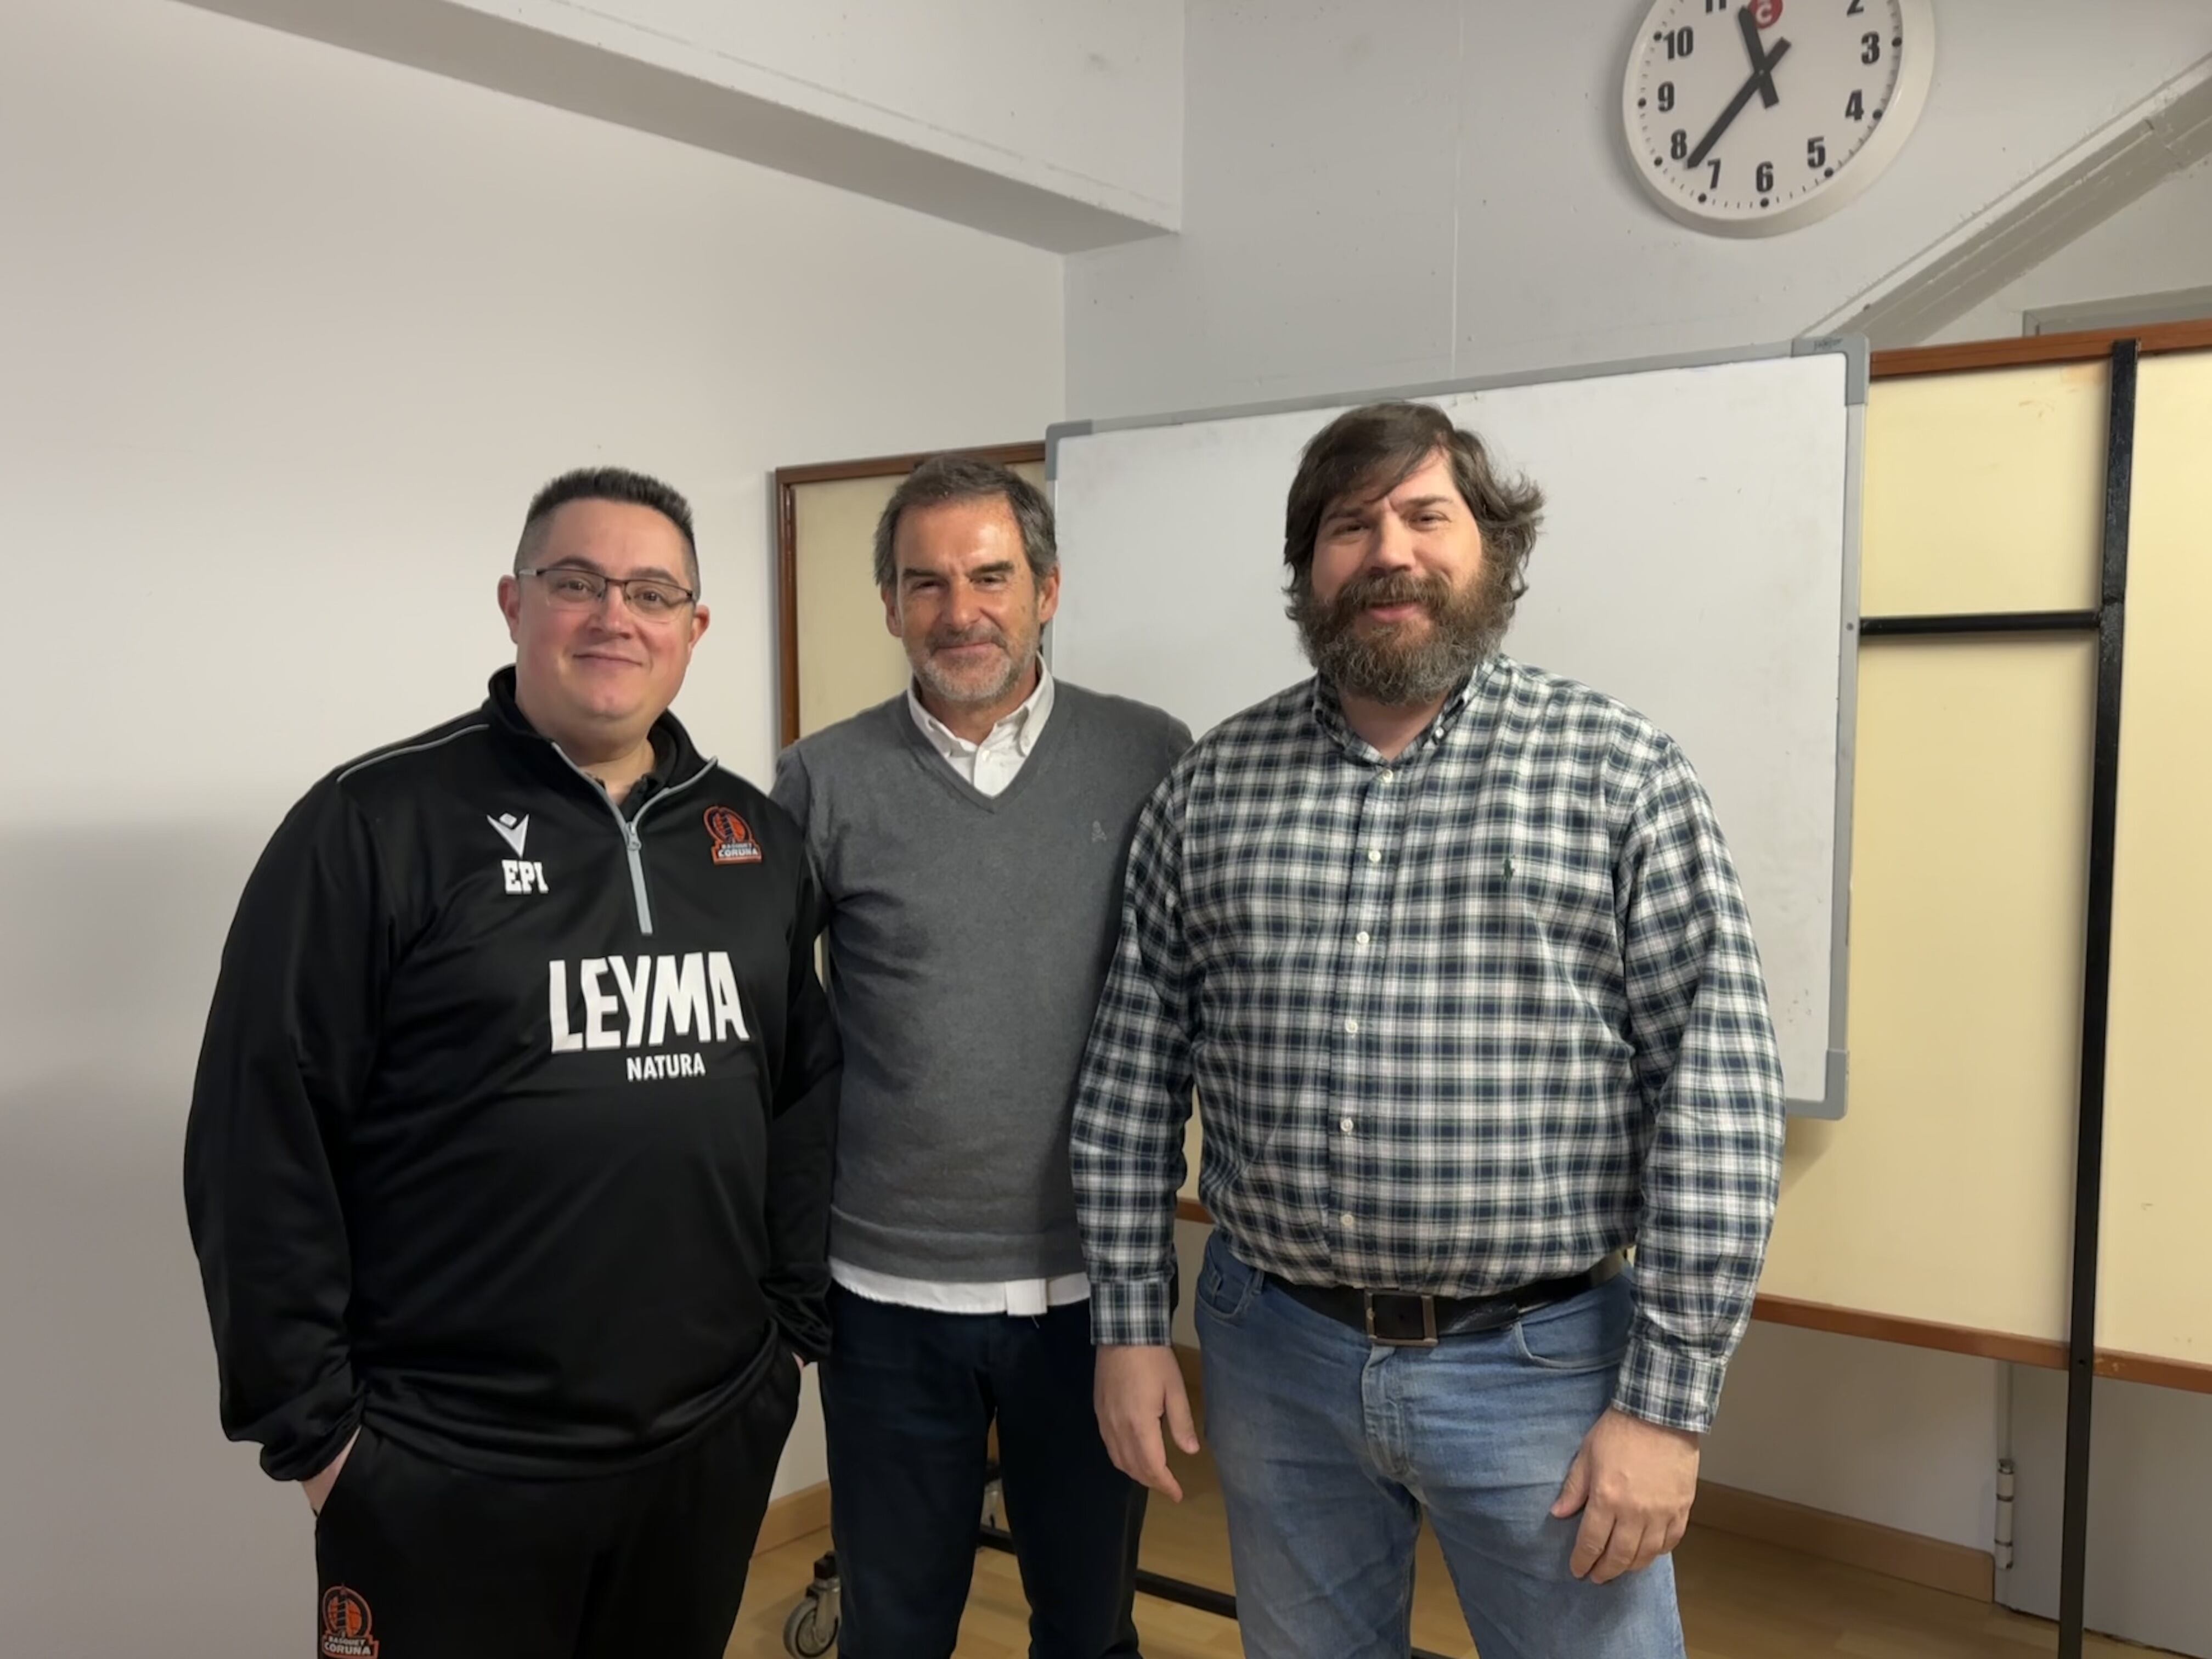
(1330, 1447)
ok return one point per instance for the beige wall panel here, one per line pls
(1944, 1193)
(2154, 1288)
(1984, 491)
(848, 661)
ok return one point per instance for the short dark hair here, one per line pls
(608, 484)
(1375, 448)
(943, 478)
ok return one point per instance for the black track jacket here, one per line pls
(512, 1130)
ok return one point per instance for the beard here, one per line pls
(982, 682)
(1399, 665)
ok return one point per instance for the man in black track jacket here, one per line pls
(508, 1159)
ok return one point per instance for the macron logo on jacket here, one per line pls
(515, 831)
(521, 874)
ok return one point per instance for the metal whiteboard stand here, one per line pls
(2108, 622)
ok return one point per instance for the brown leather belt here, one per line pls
(1400, 1319)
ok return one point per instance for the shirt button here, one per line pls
(1351, 1025)
(1362, 936)
(1387, 775)
(1344, 1219)
(1375, 855)
(1347, 1126)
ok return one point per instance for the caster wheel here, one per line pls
(811, 1630)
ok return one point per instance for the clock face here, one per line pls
(1752, 116)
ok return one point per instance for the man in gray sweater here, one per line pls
(971, 835)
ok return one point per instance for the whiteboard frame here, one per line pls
(1853, 350)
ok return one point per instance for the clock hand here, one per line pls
(1761, 64)
(1736, 106)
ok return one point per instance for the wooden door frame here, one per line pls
(2088, 345)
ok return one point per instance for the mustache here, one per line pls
(1432, 593)
(983, 635)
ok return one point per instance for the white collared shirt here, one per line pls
(990, 766)
(993, 763)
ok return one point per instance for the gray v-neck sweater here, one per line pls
(969, 937)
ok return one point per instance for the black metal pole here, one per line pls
(1988, 621)
(2096, 998)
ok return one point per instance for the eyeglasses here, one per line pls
(573, 587)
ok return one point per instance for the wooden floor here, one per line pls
(1740, 1600)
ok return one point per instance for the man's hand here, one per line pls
(1633, 1483)
(318, 1486)
(1135, 1388)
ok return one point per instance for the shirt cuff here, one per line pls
(1138, 1315)
(1675, 1387)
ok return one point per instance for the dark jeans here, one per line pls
(420, 1560)
(907, 1399)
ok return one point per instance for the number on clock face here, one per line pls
(1745, 111)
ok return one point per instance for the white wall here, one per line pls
(1911, 1438)
(1384, 196)
(1906, 1438)
(2160, 242)
(286, 338)
(1083, 98)
(1058, 125)
(2150, 1459)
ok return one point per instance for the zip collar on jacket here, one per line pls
(676, 759)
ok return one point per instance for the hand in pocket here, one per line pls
(318, 1486)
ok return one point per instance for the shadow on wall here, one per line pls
(1807, 1139)
(127, 1523)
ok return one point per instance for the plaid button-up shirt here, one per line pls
(1456, 1021)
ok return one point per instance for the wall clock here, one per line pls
(1749, 116)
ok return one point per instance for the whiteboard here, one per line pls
(1698, 560)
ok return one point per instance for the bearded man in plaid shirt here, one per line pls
(1454, 957)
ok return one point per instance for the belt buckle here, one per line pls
(1427, 1339)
